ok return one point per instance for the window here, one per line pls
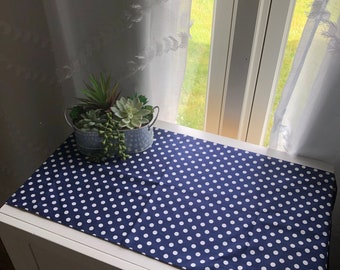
(193, 92)
(248, 40)
(256, 41)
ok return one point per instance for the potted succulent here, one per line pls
(105, 125)
(134, 118)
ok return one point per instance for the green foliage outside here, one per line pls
(192, 102)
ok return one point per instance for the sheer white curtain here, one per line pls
(142, 44)
(49, 48)
(307, 121)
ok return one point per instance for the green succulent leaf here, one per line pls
(143, 99)
(132, 112)
(91, 120)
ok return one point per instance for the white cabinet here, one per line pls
(36, 243)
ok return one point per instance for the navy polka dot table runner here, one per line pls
(191, 203)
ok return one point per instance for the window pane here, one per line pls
(191, 110)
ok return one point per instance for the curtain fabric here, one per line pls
(142, 44)
(49, 48)
(307, 120)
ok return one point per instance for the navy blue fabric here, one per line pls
(191, 203)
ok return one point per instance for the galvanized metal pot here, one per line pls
(139, 139)
(136, 140)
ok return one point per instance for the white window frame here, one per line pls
(221, 42)
(237, 105)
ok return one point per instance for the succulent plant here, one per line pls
(91, 120)
(99, 93)
(101, 111)
(132, 112)
(113, 140)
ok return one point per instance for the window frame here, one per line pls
(242, 112)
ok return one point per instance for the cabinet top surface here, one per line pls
(187, 201)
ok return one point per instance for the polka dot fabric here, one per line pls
(191, 203)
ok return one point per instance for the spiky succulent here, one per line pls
(99, 93)
(132, 112)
